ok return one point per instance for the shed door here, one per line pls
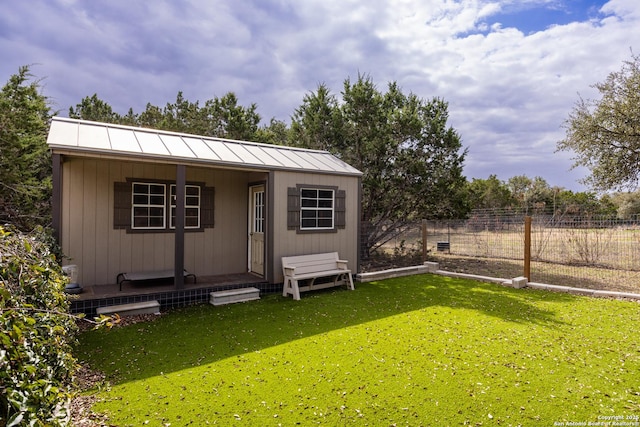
(256, 229)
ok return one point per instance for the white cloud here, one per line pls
(508, 90)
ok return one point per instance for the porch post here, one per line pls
(56, 202)
(179, 234)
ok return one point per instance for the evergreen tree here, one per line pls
(410, 159)
(25, 162)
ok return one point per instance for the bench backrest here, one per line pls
(312, 263)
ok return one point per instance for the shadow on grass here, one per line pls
(204, 334)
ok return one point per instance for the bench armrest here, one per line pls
(342, 264)
(289, 271)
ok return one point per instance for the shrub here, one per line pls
(36, 365)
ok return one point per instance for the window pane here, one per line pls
(140, 222)
(309, 203)
(156, 222)
(308, 214)
(140, 188)
(156, 189)
(325, 204)
(140, 199)
(309, 193)
(325, 194)
(156, 212)
(325, 223)
(157, 200)
(308, 223)
(140, 211)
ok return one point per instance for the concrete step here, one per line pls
(234, 295)
(145, 307)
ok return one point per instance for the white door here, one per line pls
(256, 229)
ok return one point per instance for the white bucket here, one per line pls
(72, 272)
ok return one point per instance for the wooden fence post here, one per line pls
(424, 241)
(527, 248)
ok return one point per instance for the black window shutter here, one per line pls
(293, 208)
(207, 205)
(340, 220)
(121, 205)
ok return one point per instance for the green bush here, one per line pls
(36, 365)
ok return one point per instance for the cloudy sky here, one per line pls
(511, 70)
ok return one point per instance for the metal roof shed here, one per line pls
(123, 195)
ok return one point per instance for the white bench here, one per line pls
(305, 267)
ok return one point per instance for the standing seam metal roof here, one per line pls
(81, 136)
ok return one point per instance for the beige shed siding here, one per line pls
(288, 242)
(89, 239)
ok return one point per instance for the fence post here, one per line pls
(424, 241)
(527, 248)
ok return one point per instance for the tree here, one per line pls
(605, 133)
(490, 193)
(25, 162)
(531, 194)
(36, 364)
(231, 120)
(628, 204)
(317, 123)
(410, 159)
(276, 132)
(567, 202)
(219, 117)
(95, 109)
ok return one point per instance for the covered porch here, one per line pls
(165, 292)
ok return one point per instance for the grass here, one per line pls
(420, 350)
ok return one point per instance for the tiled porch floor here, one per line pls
(164, 291)
(155, 286)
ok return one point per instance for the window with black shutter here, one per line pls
(315, 209)
(150, 206)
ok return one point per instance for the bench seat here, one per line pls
(149, 275)
(312, 267)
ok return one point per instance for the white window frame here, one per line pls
(258, 211)
(148, 205)
(317, 203)
(189, 205)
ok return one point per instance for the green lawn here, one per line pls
(421, 350)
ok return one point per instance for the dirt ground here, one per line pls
(588, 277)
(453, 263)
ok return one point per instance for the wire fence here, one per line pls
(586, 252)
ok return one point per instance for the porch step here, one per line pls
(144, 307)
(234, 295)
